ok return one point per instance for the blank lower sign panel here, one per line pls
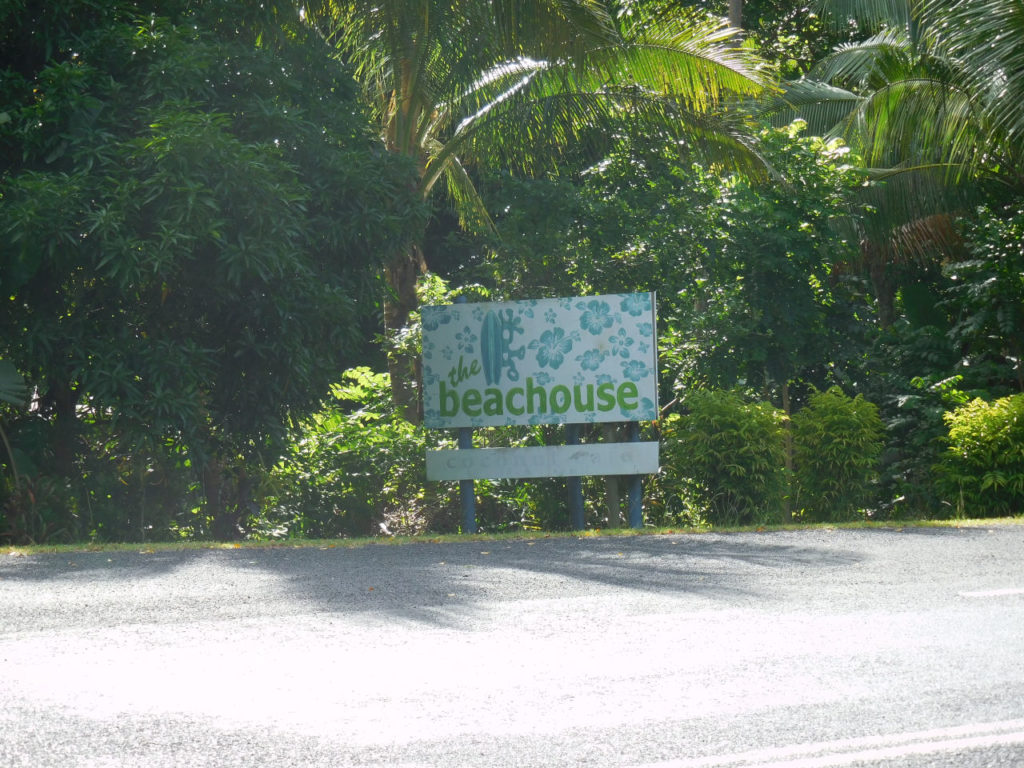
(544, 461)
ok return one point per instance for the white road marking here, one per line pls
(994, 592)
(829, 754)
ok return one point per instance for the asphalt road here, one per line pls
(801, 649)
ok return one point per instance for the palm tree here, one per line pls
(939, 85)
(515, 84)
(986, 39)
(932, 102)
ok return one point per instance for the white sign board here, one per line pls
(543, 361)
(544, 461)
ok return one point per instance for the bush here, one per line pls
(837, 442)
(981, 473)
(725, 459)
(357, 468)
(352, 468)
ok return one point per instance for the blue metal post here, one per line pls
(467, 488)
(636, 510)
(574, 485)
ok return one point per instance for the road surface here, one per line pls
(802, 649)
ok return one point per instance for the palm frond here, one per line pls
(697, 62)
(871, 15)
(408, 54)
(537, 28)
(12, 385)
(899, 198)
(519, 83)
(986, 37)
(533, 135)
(821, 105)
(472, 212)
(495, 86)
(919, 121)
(882, 58)
(527, 113)
(926, 237)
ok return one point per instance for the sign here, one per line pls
(543, 361)
(544, 461)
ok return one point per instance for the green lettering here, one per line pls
(471, 402)
(605, 396)
(448, 396)
(581, 404)
(560, 399)
(510, 401)
(628, 396)
(541, 395)
(493, 403)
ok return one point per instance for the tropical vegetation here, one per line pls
(218, 221)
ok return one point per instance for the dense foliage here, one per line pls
(725, 458)
(192, 223)
(981, 471)
(837, 441)
(213, 218)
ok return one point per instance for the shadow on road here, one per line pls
(440, 583)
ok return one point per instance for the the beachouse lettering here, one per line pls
(535, 399)
(540, 361)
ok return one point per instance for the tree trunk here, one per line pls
(881, 281)
(65, 433)
(212, 482)
(229, 497)
(787, 509)
(402, 274)
(736, 14)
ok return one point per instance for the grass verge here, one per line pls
(150, 547)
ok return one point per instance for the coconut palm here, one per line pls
(938, 86)
(931, 102)
(517, 84)
(986, 39)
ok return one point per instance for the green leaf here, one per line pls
(13, 389)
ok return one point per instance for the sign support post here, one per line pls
(574, 484)
(636, 512)
(467, 489)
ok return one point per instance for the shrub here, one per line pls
(726, 456)
(357, 468)
(981, 473)
(355, 465)
(837, 442)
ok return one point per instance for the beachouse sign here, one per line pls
(543, 361)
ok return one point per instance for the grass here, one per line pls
(150, 547)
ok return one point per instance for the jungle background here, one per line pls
(218, 221)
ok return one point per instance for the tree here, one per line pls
(519, 84)
(960, 96)
(931, 102)
(930, 99)
(987, 39)
(893, 98)
(750, 290)
(194, 215)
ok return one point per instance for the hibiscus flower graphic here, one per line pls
(634, 370)
(553, 346)
(597, 317)
(636, 304)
